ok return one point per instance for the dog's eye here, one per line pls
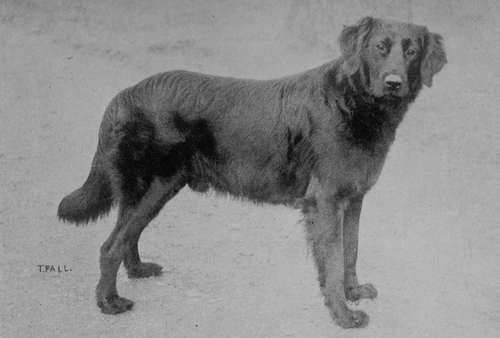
(411, 52)
(381, 47)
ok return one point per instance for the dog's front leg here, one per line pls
(353, 291)
(325, 232)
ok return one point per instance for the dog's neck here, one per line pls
(368, 122)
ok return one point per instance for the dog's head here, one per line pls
(393, 59)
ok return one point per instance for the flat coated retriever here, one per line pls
(317, 140)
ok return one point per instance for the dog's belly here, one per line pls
(281, 183)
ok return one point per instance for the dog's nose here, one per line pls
(393, 82)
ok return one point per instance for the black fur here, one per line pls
(364, 122)
(292, 144)
(199, 136)
(298, 164)
(345, 192)
(282, 93)
(368, 122)
(141, 156)
(365, 68)
(414, 78)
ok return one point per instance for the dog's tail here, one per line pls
(93, 200)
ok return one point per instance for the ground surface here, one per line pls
(429, 235)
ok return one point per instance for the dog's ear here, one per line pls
(434, 57)
(351, 41)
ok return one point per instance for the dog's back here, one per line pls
(235, 135)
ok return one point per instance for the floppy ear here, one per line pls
(434, 57)
(351, 41)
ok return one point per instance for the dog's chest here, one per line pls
(360, 171)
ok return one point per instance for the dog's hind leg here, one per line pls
(135, 267)
(353, 290)
(132, 220)
(132, 261)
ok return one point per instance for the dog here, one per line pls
(317, 140)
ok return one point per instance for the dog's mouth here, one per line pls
(391, 97)
(389, 100)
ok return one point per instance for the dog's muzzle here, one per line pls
(393, 82)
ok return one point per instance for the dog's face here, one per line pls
(393, 59)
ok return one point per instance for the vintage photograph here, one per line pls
(249, 168)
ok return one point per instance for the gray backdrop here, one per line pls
(429, 230)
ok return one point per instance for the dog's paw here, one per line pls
(355, 293)
(114, 304)
(352, 319)
(144, 270)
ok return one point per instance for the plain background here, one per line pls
(429, 235)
